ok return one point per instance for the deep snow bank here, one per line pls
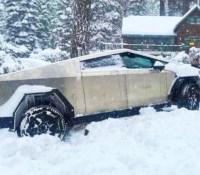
(149, 144)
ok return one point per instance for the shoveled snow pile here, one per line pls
(153, 143)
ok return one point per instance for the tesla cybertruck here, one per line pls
(51, 98)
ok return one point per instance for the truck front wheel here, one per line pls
(189, 97)
(42, 120)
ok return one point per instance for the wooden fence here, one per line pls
(155, 49)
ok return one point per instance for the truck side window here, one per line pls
(133, 61)
(107, 61)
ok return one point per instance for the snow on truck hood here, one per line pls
(8, 108)
(182, 70)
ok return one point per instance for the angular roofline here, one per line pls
(117, 51)
(84, 58)
(186, 15)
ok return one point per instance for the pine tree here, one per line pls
(43, 30)
(107, 16)
(63, 21)
(175, 7)
(186, 5)
(54, 24)
(106, 23)
(21, 19)
(152, 7)
(2, 17)
(136, 7)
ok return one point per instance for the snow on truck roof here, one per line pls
(153, 25)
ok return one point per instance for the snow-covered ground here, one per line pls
(152, 143)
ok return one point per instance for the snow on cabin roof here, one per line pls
(153, 25)
(150, 25)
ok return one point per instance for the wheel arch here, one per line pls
(52, 98)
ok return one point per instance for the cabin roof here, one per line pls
(153, 25)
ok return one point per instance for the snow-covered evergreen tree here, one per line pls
(105, 23)
(54, 26)
(21, 20)
(175, 8)
(106, 19)
(2, 17)
(63, 21)
(48, 23)
(135, 7)
(152, 7)
(43, 29)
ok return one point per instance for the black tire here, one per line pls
(189, 97)
(42, 120)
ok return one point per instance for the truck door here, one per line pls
(104, 89)
(145, 85)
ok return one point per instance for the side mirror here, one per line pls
(158, 65)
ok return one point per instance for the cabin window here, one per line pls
(198, 20)
(193, 20)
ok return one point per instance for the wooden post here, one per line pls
(161, 48)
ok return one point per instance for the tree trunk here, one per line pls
(80, 34)
(162, 8)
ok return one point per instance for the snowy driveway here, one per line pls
(152, 143)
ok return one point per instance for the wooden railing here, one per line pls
(161, 49)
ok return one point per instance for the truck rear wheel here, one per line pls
(189, 97)
(42, 120)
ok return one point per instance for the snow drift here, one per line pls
(151, 143)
